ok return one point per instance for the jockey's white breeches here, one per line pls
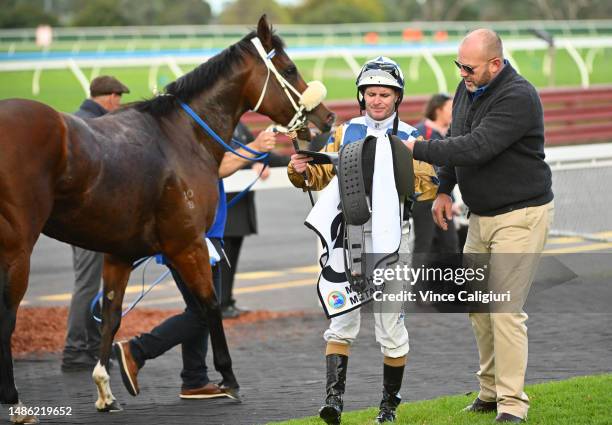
(391, 333)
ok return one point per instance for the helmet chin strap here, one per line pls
(395, 123)
(396, 119)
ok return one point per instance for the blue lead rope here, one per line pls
(136, 264)
(259, 156)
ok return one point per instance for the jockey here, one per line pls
(380, 88)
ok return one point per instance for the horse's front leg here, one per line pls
(193, 264)
(13, 283)
(115, 275)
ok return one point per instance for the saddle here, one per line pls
(356, 171)
(354, 166)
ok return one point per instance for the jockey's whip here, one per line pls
(294, 140)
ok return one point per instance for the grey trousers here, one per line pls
(83, 333)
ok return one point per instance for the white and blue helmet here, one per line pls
(381, 71)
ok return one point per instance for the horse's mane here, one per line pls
(203, 76)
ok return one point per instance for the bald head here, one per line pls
(480, 58)
(483, 43)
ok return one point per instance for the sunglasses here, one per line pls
(468, 68)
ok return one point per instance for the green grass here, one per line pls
(60, 88)
(578, 401)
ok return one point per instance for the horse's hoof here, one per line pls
(27, 419)
(113, 407)
(232, 393)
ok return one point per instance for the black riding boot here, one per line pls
(336, 381)
(392, 382)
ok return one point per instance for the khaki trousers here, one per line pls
(502, 337)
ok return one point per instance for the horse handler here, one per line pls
(495, 153)
(380, 87)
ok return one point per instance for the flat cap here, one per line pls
(105, 84)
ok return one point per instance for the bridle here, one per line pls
(299, 119)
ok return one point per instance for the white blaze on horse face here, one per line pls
(102, 381)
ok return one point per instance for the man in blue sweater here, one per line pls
(495, 153)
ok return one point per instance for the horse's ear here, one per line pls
(264, 31)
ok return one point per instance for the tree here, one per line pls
(339, 11)
(184, 12)
(249, 12)
(25, 14)
(168, 12)
(98, 13)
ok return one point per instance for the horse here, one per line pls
(136, 182)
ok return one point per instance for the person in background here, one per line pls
(428, 238)
(241, 222)
(83, 332)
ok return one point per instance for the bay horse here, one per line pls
(138, 181)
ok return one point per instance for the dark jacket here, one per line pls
(495, 151)
(90, 109)
(242, 217)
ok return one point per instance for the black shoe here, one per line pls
(83, 362)
(78, 362)
(385, 416)
(332, 410)
(231, 311)
(507, 417)
(479, 406)
(70, 366)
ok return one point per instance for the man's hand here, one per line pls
(264, 142)
(442, 210)
(300, 162)
(257, 167)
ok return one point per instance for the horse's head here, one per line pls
(275, 87)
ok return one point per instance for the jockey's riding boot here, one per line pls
(392, 382)
(331, 411)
